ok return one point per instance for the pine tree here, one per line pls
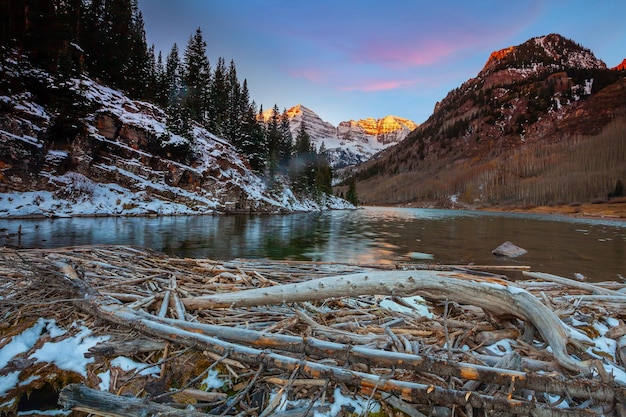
(196, 78)
(116, 35)
(236, 106)
(140, 72)
(302, 166)
(274, 138)
(160, 94)
(351, 195)
(154, 77)
(253, 141)
(323, 174)
(93, 37)
(172, 79)
(218, 102)
(286, 141)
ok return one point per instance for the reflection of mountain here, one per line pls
(352, 142)
(371, 236)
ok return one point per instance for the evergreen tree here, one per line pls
(219, 98)
(172, 79)
(93, 37)
(113, 38)
(351, 195)
(302, 166)
(323, 173)
(253, 141)
(160, 94)
(196, 78)
(286, 141)
(139, 75)
(116, 36)
(236, 106)
(154, 77)
(274, 139)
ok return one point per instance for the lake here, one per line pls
(595, 248)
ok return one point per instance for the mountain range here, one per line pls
(543, 122)
(351, 142)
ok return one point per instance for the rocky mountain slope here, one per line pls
(351, 142)
(515, 133)
(120, 159)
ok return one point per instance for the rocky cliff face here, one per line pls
(386, 131)
(351, 142)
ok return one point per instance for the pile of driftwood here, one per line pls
(302, 332)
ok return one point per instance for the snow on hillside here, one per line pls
(218, 181)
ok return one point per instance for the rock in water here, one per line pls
(509, 249)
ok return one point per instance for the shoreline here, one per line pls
(613, 210)
(178, 318)
(608, 210)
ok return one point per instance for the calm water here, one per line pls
(559, 245)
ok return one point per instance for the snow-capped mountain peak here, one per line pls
(541, 52)
(352, 141)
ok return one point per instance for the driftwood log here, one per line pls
(496, 296)
(351, 344)
(78, 397)
(198, 335)
(409, 391)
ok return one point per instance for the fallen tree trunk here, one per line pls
(114, 312)
(496, 296)
(409, 391)
(594, 289)
(104, 308)
(577, 388)
(78, 397)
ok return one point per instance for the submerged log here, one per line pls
(497, 296)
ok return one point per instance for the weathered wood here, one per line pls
(594, 289)
(359, 316)
(497, 296)
(78, 397)
(409, 391)
(576, 388)
(130, 347)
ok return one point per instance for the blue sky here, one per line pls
(353, 59)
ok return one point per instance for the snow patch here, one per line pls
(69, 354)
(126, 364)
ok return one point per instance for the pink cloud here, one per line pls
(405, 54)
(379, 85)
(310, 73)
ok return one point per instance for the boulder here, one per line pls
(508, 249)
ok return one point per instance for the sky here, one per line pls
(355, 59)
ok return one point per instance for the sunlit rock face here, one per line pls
(620, 67)
(352, 141)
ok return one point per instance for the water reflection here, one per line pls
(594, 248)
